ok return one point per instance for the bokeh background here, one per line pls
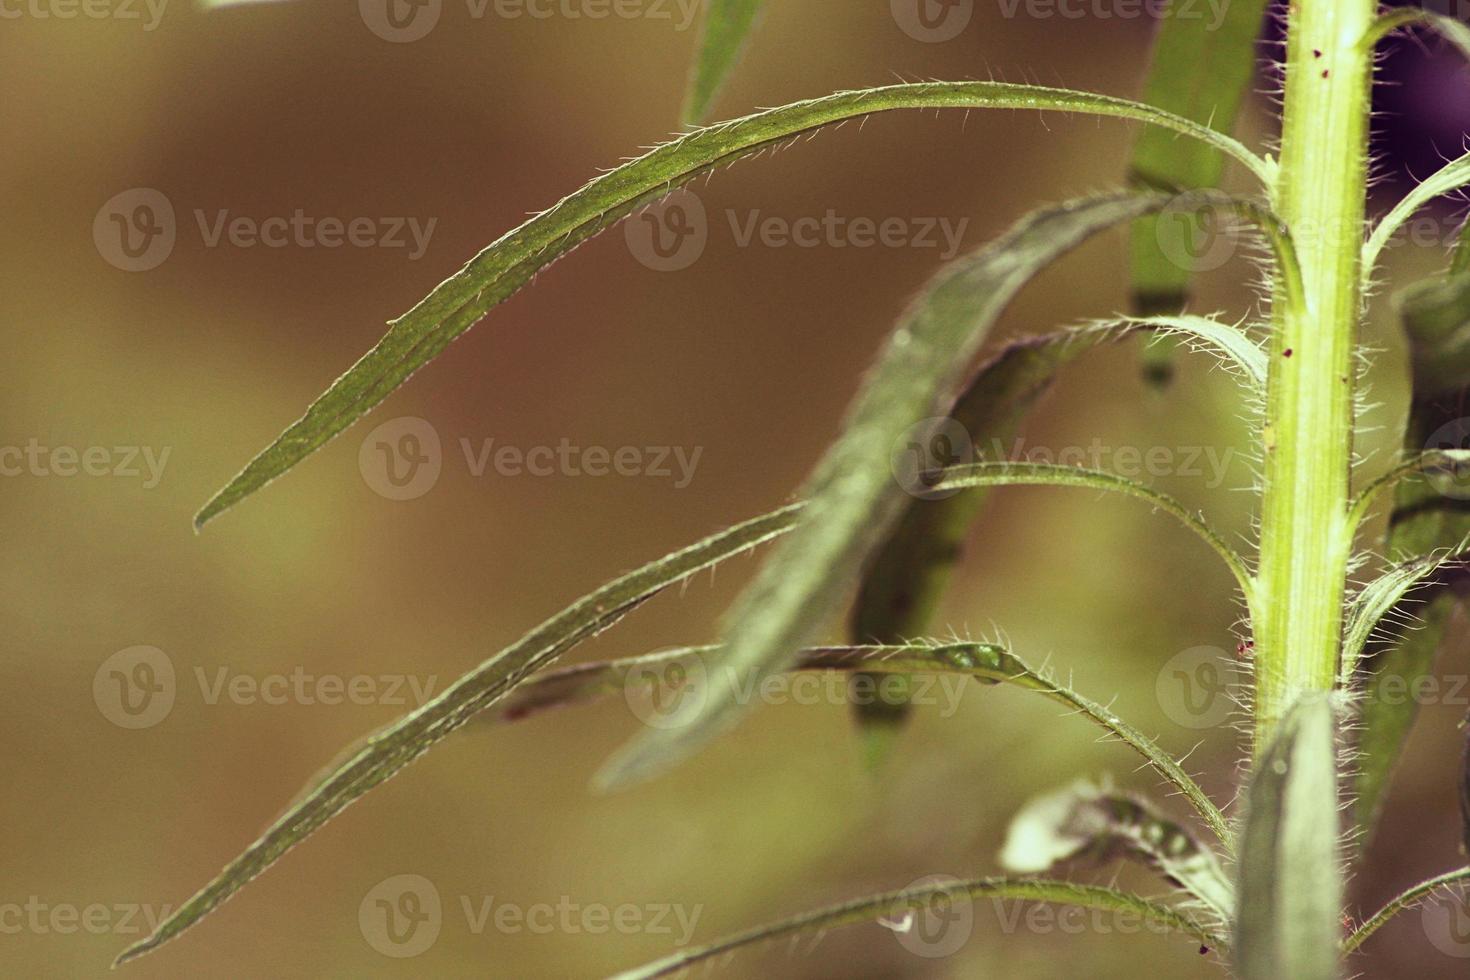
(749, 355)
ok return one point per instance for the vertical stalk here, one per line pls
(1305, 541)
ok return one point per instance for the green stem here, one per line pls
(1305, 539)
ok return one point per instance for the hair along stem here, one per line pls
(1307, 434)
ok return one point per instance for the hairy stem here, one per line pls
(1305, 538)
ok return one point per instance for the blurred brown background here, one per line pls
(749, 355)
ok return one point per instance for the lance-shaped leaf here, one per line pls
(1377, 603)
(1451, 177)
(902, 911)
(1450, 28)
(1430, 512)
(727, 24)
(1408, 900)
(854, 497)
(389, 750)
(1201, 68)
(903, 583)
(1290, 880)
(512, 261)
(1084, 822)
(681, 669)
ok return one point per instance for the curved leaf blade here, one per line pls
(508, 264)
(1088, 822)
(393, 748)
(902, 585)
(985, 662)
(1436, 319)
(853, 498)
(913, 901)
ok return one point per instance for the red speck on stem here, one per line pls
(1286, 353)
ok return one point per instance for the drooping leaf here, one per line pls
(393, 748)
(1368, 608)
(1409, 899)
(853, 498)
(1428, 514)
(1451, 177)
(1097, 824)
(1201, 69)
(985, 662)
(1450, 28)
(1290, 882)
(512, 261)
(727, 24)
(899, 911)
(902, 585)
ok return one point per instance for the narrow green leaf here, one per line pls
(1450, 28)
(1451, 177)
(1384, 595)
(512, 261)
(853, 498)
(1290, 880)
(1201, 69)
(986, 662)
(1407, 900)
(727, 24)
(1428, 514)
(396, 746)
(1098, 824)
(907, 905)
(902, 585)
